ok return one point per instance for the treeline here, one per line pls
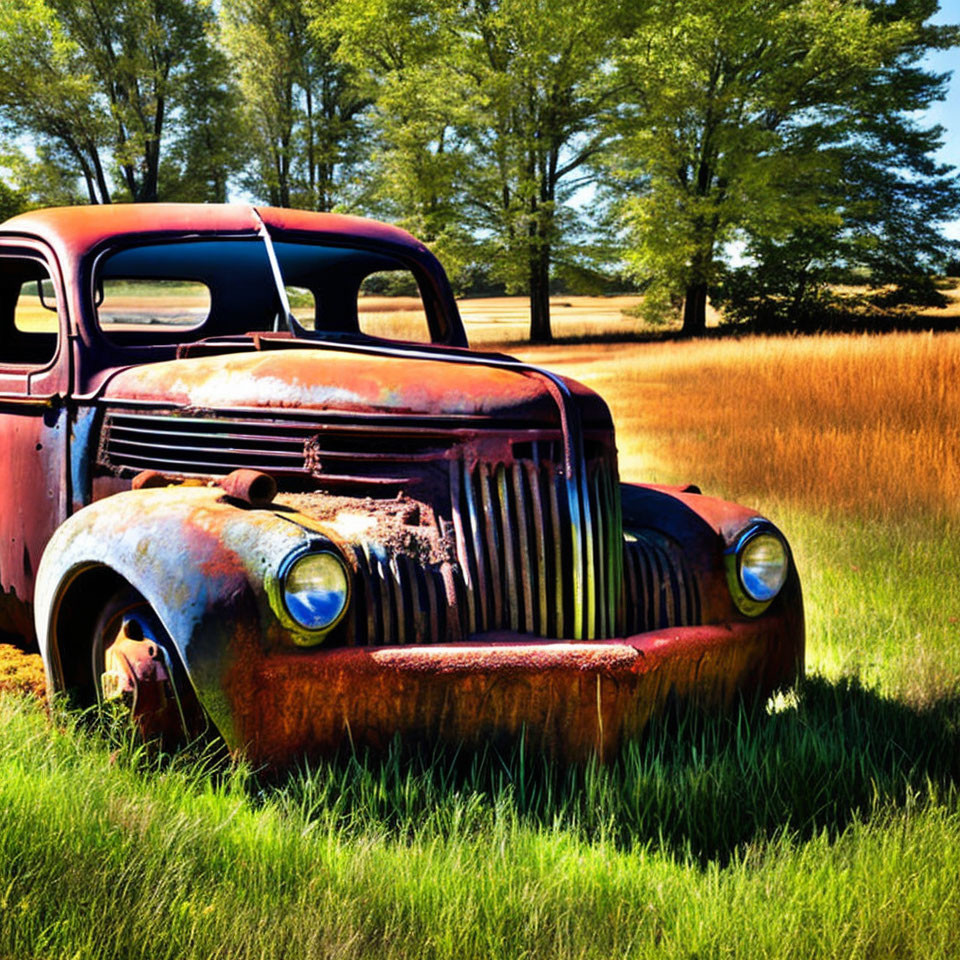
(760, 153)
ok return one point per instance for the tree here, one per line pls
(402, 54)
(301, 106)
(12, 201)
(741, 114)
(882, 200)
(103, 81)
(540, 88)
(43, 178)
(488, 112)
(208, 144)
(46, 89)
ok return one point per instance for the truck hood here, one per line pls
(340, 381)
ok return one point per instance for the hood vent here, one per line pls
(209, 446)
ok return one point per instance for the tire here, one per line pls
(134, 662)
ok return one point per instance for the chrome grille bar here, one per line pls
(660, 589)
(513, 521)
(533, 479)
(409, 602)
(526, 557)
(509, 548)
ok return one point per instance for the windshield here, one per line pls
(185, 290)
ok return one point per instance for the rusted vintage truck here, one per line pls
(255, 481)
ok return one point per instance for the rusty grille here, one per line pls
(401, 601)
(513, 568)
(515, 545)
(660, 590)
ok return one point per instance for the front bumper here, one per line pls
(573, 699)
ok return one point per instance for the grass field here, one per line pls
(827, 826)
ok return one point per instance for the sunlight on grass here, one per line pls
(863, 425)
(486, 858)
(494, 321)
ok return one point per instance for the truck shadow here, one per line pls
(702, 787)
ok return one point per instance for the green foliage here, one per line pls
(404, 54)
(208, 145)
(485, 116)
(100, 84)
(880, 203)
(301, 106)
(47, 88)
(774, 123)
(12, 201)
(784, 129)
(45, 179)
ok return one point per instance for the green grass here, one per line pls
(827, 824)
(837, 823)
(883, 601)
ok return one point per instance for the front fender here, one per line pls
(704, 527)
(207, 566)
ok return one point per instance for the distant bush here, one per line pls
(775, 298)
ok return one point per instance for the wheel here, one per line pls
(134, 662)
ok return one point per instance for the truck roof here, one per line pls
(74, 231)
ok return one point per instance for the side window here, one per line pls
(28, 312)
(389, 306)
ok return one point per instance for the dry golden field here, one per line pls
(494, 321)
(861, 424)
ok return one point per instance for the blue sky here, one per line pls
(947, 112)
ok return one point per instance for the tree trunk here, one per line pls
(695, 310)
(150, 188)
(311, 150)
(540, 294)
(149, 185)
(100, 175)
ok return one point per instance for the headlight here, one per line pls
(316, 588)
(763, 566)
(757, 566)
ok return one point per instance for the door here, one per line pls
(33, 423)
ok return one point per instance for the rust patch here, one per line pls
(574, 700)
(399, 524)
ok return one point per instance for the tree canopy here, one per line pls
(758, 153)
(764, 123)
(99, 82)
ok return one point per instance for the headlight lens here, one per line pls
(316, 589)
(763, 566)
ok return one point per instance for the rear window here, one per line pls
(148, 304)
(36, 307)
(389, 306)
(386, 305)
